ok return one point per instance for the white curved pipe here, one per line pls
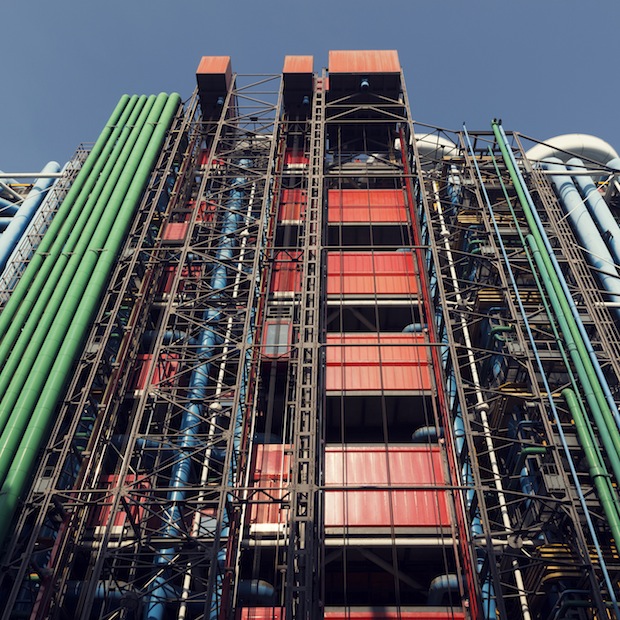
(578, 144)
(435, 146)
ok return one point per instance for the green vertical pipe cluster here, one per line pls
(589, 369)
(598, 472)
(46, 324)
(611, 442)
(593, 391)
(65, 218)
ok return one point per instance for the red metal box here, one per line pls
(401, 466)
(358, 206)
(389, 274)
(363, 363)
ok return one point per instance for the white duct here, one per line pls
(577, 144)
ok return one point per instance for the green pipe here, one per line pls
(608, 419)
(526, 453)
(498, 329)
(64, 243)
(19, 473)
(543, 296)
(36, 354)
(38, 310)
(61, 225)
(611, 441)
(596, 467)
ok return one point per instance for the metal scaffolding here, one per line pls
(331, 376)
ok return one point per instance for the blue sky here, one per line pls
(545, 67)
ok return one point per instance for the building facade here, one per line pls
(278, 351)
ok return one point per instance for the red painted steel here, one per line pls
(363, 61)
(175, 231)
(165, 369)
(271, 472)
(295, 159)
(371, 273)
(358, 206)
(261, 613)
(134, 501)
(298, 64)
(360, 466)
(215, 65)
(167, 278)
(286, 274)
(271, 461)
(377, 362)
(292, 205)
(394, 615)
(206, 210)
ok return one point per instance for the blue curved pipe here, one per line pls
(14, 231)
(585, 230)
(191, 425)
(604, 220)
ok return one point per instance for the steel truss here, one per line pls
(526, 518)
(101, 511)
(39, 224)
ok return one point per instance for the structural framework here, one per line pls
(279, 352)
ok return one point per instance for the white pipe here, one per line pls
(31, 175)
(481, 405)
(578, 144)
(581, 173)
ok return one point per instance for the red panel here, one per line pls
(364, 61)
(292, 204)
(295, 159)
(214, 64)
(175, 231)
(298, 64)
(376, 362)
(271, 461)
(261, 613)
(399, 466)
(286, 274)
(371, 273)
(204, 159)
(377, 206)
(394, 615)
(271, 474)
(167, 277)
(101, 513)
(166, 368)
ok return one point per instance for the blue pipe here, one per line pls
(440, 586)
(7, 207)
(190, 425)
(604, 220)
(427, 434)
(487, 589)
(11, 236)
(569, 298)
(414, 328)
(585, 229)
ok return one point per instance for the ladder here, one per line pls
(303, 403)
